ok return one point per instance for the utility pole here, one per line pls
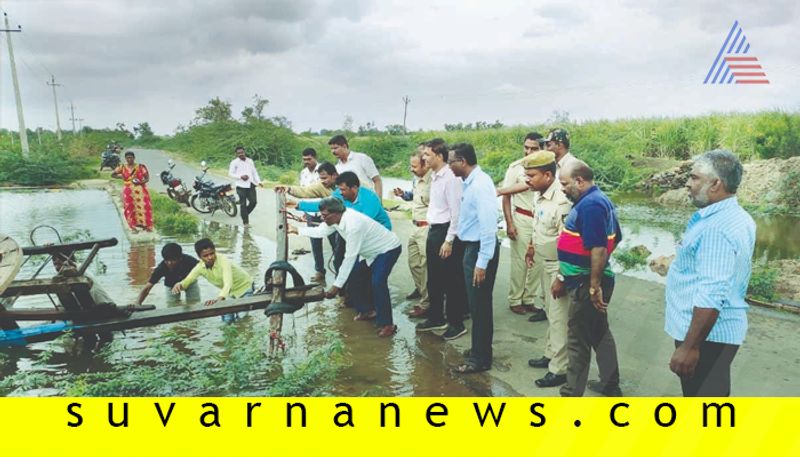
(72, 118)
(80, 125)
(39, 135)
(23, 132)
(52, 83)
(406, 101)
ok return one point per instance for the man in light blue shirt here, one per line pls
(361, 199)
(706, 313)
(477, 228)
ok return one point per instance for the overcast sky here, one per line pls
(458, 61)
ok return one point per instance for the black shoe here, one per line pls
(543, 362)
(429, 325)
(551, 380)
(414, 295)
(454, 331)
(466, 317)
(537, 316)
(608, 391)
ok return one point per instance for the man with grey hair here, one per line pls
(706, 313)
(370, 250)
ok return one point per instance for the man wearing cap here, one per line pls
(419, 197)
(557, 141)
(551, 208)
(518, 211)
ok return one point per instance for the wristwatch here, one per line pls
(594, 290)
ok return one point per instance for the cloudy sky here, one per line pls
(318, 61)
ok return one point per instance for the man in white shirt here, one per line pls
(309, 176)
(360, 164)
(368, 245)
(243, 170)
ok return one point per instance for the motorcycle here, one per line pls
(210, 197)
(176, 189)
(109, 158)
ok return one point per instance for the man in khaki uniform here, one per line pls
(552, 207)
(518, 207)
(417, 258)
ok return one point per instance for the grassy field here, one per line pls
(622, 152)
(53, 162)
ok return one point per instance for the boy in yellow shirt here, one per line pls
(231, 280)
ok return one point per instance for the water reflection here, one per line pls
(249, 252)
(141, 262)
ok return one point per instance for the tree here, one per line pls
(281, 121)
(559, 117)
(395, 129)
(217, 110)
(143, 130)
(256, 111)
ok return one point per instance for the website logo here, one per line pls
(734, 64)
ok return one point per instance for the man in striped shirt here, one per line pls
(705, 311)
(591, 232)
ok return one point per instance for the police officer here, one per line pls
(551, 208)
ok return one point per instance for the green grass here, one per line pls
(169, 217)
(762, 281)
(237, 366)
(634, 258)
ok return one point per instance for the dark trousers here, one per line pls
(588, 329)
(712, 375)
(247, 201)
(480, 303)
(378, 282)
(445, 278)
(316, 244)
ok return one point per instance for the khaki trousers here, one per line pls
(557, 317)
(524, 284)
(417, 263)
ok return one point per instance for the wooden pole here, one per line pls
(278, 277)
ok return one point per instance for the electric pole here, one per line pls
(23, 132)
(80, 125)
(406, 101)
(72, 118)
(52, 83)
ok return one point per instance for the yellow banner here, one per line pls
(399, 427)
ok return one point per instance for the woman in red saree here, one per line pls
(135, 198)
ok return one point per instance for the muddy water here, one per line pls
(405, 365)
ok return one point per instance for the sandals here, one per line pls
(470, 366)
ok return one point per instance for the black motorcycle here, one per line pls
(176, 189)
(210, 197)
(109, 158)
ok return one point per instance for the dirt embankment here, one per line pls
(787, 285)
(762, 182)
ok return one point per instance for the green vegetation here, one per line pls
(170, 368)
(622, 152)
(762, 281)
(634, 258)
(170, 219)
(53, 162)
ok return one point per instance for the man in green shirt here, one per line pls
(231, 280)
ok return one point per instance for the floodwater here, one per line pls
(401, 366)
(659, 229)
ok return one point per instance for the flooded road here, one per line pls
(391, 367)
(408, 364)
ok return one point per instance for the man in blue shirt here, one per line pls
(705, 311)
(364, 201)
(477, 228)
(361, 199)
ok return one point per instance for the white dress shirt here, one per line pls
(240, 168)
(445, 200)
(362, 165)
(308, 177)
(365, 238)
